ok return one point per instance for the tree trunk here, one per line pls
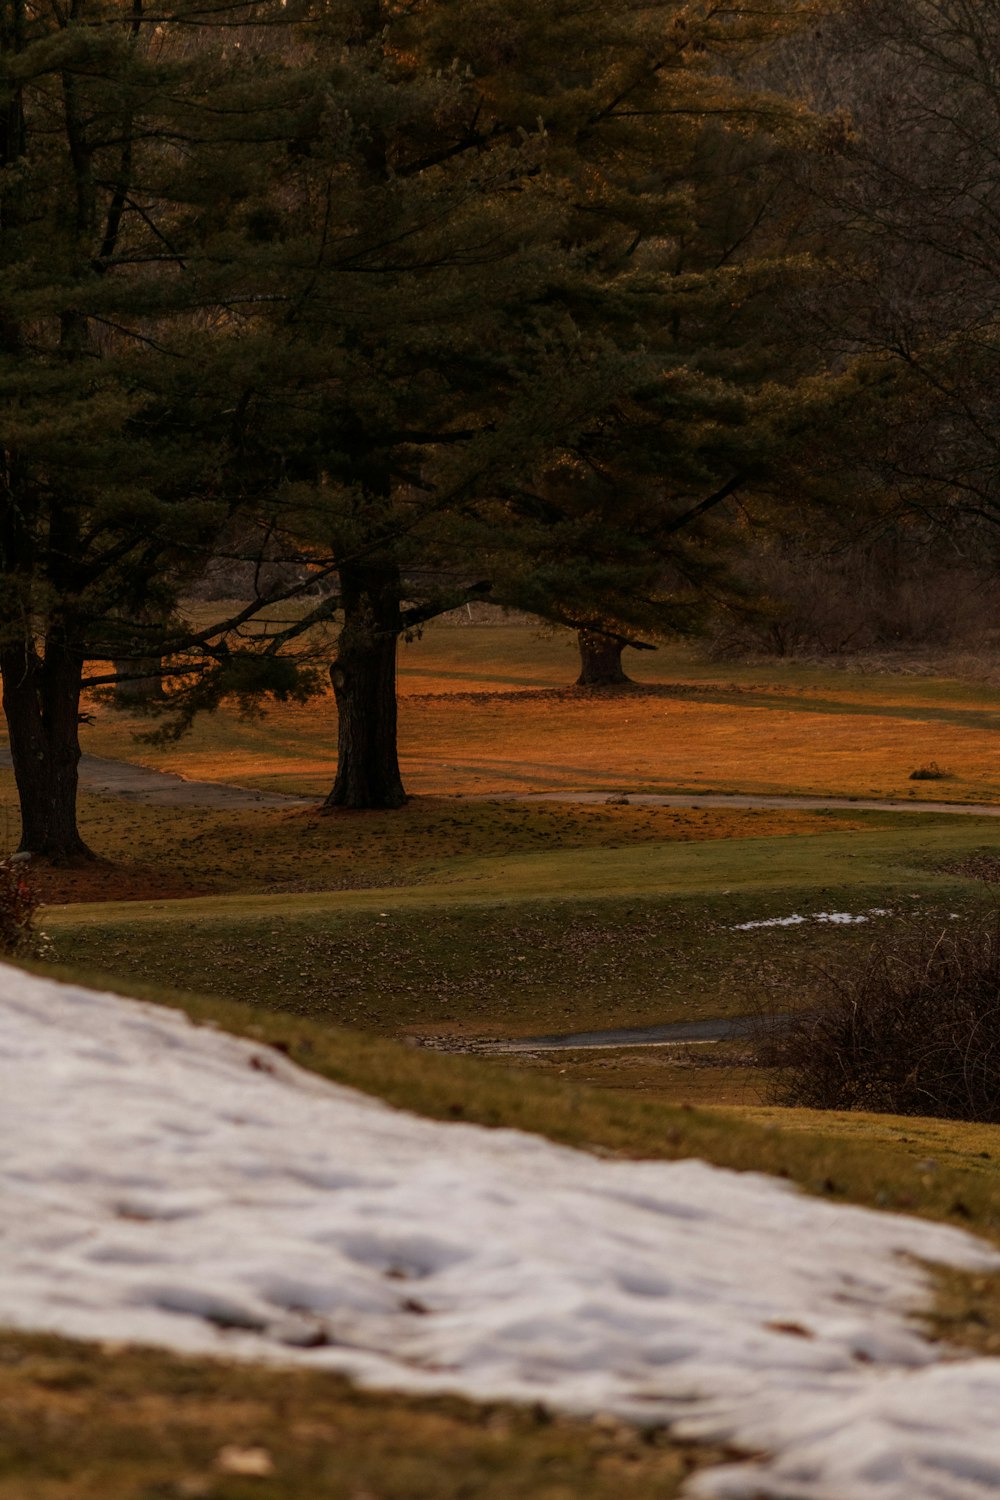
(41, 701)
(364, 683)
(600, 660)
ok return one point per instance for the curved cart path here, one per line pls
(752, 800)
(121, 778)
(672, 1034)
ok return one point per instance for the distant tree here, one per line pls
(907, 204)
(601, 659)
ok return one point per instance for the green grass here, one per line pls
(273, 850)
(557, 940)
(515, 970)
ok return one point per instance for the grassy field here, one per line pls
(458, 918)
(465, 917)
(489, 709)
(625, 929)
(78, 1422)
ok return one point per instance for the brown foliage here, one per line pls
(18, 904)
(915, 1031)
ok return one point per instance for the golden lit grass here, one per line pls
(484, 710)
(667, 743)
(932, 1146)
(719, 1075)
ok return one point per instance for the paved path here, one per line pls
(674, 1034)
(748, 799)
(122, 778)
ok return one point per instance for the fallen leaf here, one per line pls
(250, 1463)
(794, 1328)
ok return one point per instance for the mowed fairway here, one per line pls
(519, 944)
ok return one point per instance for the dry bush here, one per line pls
(914, 1031)
(931, 772)
(18, 904)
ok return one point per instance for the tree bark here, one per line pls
(600, 660)
(364, 684)
(41, 701)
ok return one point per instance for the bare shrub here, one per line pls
(18, 904)
(931, 772)
(914, 1031)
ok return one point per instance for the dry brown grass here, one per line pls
(716, 1076)
(488, 709)
(85, 1422)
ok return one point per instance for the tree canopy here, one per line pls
(426, 300)
(507, 336)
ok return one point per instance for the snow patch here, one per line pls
(838, 918)
(173, 1185)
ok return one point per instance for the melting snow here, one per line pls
(177, 1186)
(843, 918)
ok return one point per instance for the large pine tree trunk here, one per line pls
(364, 684)
(600, 660)
(41, 701)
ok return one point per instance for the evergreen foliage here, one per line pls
(109, 480)
(509, 317)
(115, 473)
(438, 298)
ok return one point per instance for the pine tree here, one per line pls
(111, 477)
(71, 101)
(420, 293)
(495, 351)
